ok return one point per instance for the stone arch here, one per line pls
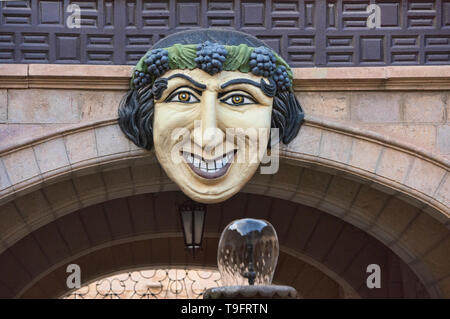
(398, 167)
(129, 232)
(49, 286)
(94, 163)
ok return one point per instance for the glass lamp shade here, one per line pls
(192, 221)
(248, 253)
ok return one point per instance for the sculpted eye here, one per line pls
(238, 99)
(183, 97)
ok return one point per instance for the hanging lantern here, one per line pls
(192, 221)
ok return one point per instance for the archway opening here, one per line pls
(321, 255)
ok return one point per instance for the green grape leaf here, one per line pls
(238, 58)
(141, 65)
(182, 56)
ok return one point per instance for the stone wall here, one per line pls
(364, 154)
(421, 118)
(38, 112)
(409, 105)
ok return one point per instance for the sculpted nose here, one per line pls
(208, 135)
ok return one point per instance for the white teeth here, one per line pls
(209, 166)
(196, 162)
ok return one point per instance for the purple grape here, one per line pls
(210, 57)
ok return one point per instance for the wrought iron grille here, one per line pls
(150, 284)
(305, 32)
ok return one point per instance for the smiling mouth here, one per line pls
(209, 169)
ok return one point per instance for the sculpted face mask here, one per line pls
(206, 101)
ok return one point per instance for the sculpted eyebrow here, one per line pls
(188, 78)
(240, 81)
(185, 86)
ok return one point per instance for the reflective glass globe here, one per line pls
(248, 253)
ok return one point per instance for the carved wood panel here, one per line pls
(306, 33)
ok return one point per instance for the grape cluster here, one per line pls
(157, 62)
(210, 57)
(281, 78)
(262, 61)
(140, 79)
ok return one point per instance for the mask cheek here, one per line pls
(255, 117)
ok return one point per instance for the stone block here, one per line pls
(278, 192)
(418, 203)
(420, 107)
(62, 197)
(425, 177)
(443, 194)
(448, 107)
(438, 215)
(312, 187)
(90, 188)
(314, 182)
(11, 223)
(35, 209)
(137, 149)
(117, 180)
(423, 272)
(394, 165)
(443, 139)
(335, 147)
(421, 135)
(438, 260)
(3, 106)
(375, 107)
(308, 278)
(111, 140)
(405, 254)
(99, 105)
(367, 206)
(13, 134)
(258, 184)
(81, 146)
(21, 165)
(307, 141)
(421, 235)
(333, 105)
(364, 155)
(287, 177)
(146, 174)
(387, 189)
(4, 179)
(51, 155)
(340, 195)
(73, 70)
(43, 106)
(394, 219)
